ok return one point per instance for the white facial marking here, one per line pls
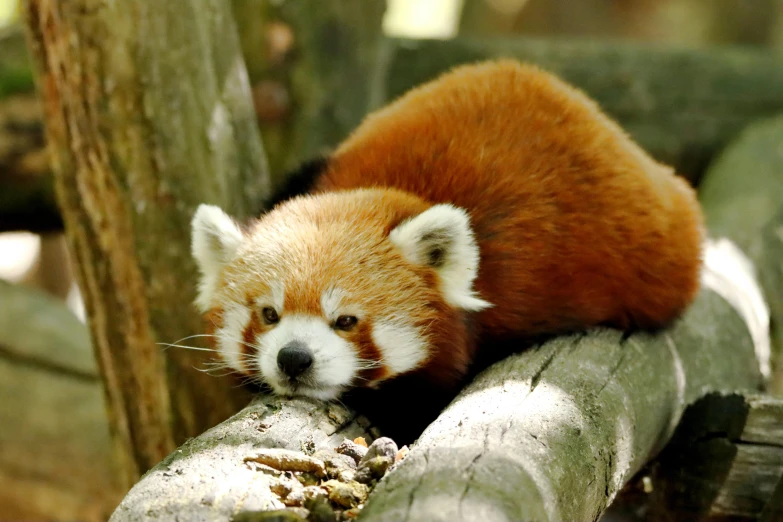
(334, 360)
(214, 242)
(229, 338)
(442, 238)
(275, 298)
(331, 300)
(333, 304)
(401, 345)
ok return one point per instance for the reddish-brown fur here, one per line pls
(319, 247)
(576, 225)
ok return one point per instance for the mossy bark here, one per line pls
(148, 113)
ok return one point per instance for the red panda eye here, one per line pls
(270, 315)
(345, 322)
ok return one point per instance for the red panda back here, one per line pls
(576, 225)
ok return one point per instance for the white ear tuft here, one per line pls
(215, 240)
(441, 237)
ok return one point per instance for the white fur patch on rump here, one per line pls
(441, 237)
(214, 242)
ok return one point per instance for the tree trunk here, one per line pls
(311, 64)
(681, 105)
(148, 113)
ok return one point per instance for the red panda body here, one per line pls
(565, 224)
(575, 224)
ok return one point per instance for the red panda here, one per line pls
(492, 203)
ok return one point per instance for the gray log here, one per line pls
(681, 105)
(742, 196)
(56, 455)
(207, 478)
(554, 433)
(725, 459)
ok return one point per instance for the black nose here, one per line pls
(294, 358)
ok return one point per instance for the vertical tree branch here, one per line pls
(148, 113)
(321, 57)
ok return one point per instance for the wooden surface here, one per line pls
(550, 434)
(725, 460)
(742, 195)
(207, 479)
(55, 451)
(554, 433)
(320, 58)
(148, 114)
(316, 101)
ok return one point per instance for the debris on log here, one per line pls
(277, 454)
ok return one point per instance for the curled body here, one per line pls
(494, 203)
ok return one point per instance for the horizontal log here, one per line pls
(39, 330)
(725, 459)
(56, 455)
(681, 105)
(207, 479)
(682, 119)
(554, 433)
(742, 196)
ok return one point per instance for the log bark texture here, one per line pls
(555, 432)
(742, 196)
(681, 105)
(724, 460)
(148, 113)
(207, 479)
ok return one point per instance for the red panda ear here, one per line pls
(441, 238)
(215, 240)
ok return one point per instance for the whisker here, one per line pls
(194, 336)
(173, 345)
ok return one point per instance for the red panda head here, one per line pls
(338, 289)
